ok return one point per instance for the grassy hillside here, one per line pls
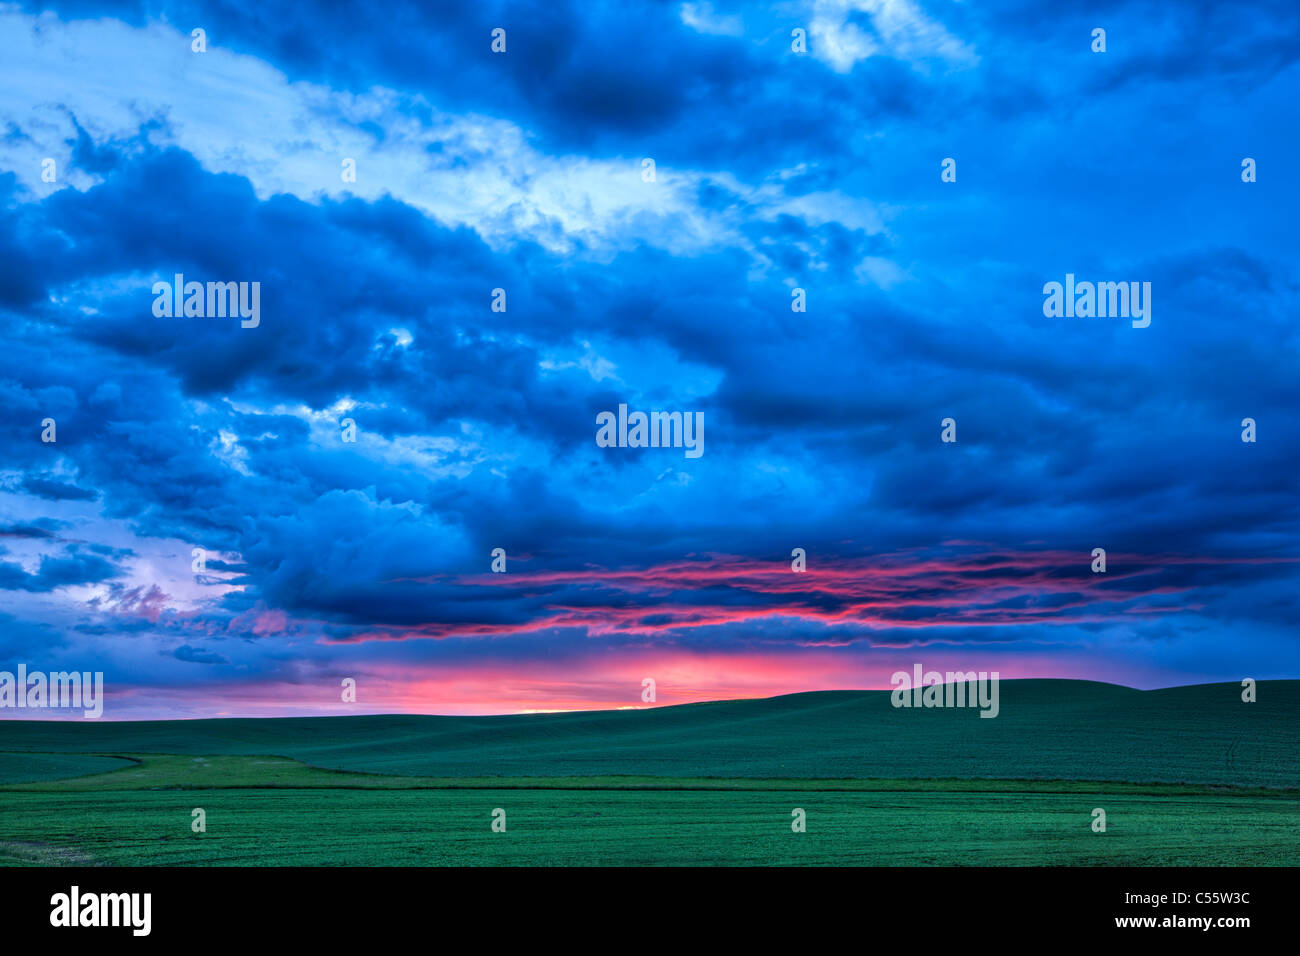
(275, 811)
(1047, 729)
(620, 827)
(1190, 776)
(19, 768)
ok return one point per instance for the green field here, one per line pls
(20, 768)
(1187, 776)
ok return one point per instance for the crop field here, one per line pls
(1185, 777)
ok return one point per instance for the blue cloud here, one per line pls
(777, 172)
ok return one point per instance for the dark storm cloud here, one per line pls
(477, 427)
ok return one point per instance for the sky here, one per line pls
(656, 188)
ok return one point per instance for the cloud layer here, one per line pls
(775, 171)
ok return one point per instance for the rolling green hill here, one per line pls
(25, 767)
(1189, 775)
(1032, 825)
(1047, 729)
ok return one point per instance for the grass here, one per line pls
(227, 772)
(277, 811)
(1047, 729)
(1187, 776)
(19, 768)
